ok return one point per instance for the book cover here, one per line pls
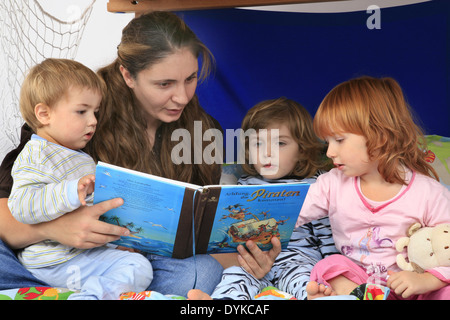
(256, 212)
(172, 218)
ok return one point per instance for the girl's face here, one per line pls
(273, 152)
(349, 154)
(72, 121)
(165, 88)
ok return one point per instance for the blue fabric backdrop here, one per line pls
(263, 55)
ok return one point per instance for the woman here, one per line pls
(150, 93)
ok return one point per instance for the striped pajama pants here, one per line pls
(291, 271)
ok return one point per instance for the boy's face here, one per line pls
(273, 151)
(72, 120)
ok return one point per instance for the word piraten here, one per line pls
(262, 193)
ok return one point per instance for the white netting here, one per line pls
(28, 35)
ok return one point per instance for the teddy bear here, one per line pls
(427, 247)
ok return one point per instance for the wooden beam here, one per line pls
(140, 6)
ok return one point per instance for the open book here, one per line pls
(172, 218)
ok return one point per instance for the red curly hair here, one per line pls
(376, 109)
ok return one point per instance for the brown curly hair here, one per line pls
(299, 123)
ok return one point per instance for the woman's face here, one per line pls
(165, 88)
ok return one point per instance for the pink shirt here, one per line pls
(366, 231)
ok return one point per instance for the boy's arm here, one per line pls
(32, 202)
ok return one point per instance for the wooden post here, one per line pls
(140, 6)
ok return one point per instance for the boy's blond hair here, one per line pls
(299, 122)
(49, 81)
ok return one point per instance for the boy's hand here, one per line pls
(86, 186)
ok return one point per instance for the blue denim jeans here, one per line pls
(12, 273)
(170, 276)
(178, 276)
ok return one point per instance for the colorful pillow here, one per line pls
(35, 293)
(438, 155)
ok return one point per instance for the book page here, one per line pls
(151, 208)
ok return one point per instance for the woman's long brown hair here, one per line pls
(121, 137)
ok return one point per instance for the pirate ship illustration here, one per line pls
(252, 228)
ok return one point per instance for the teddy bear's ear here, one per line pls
(401, 243)
(413, 228)
(403, 264)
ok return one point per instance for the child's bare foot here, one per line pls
(196, 294)
(315, 290)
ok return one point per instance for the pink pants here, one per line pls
(339, 265)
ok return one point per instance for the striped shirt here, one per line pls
(315, 235)
(45, 187)
(290, 272)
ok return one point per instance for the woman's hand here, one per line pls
(257, 262)
(82, 228)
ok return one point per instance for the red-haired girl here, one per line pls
(380, 182)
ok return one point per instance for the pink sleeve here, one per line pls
(316, 202)
(438, 210)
